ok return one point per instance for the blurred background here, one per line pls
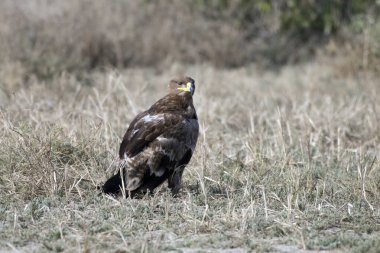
(47, 37)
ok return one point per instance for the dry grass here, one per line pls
(53, 36)
(48, 37)
(286, 158)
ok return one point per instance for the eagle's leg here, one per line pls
(175, 180)
(152, 181)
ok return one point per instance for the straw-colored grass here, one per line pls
(283, 158)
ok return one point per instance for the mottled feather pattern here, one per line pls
(160, 142)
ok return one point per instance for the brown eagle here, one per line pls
(159, 143)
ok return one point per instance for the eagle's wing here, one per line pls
(155, 145)
(144, 129)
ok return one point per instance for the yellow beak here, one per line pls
(188, 88)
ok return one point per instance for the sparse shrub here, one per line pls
(51, 37)
(321, 17)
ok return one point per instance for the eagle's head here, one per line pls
(182, 84)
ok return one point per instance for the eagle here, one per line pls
(159, 143)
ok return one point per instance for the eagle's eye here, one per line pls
(180, 83)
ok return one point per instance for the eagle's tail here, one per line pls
(113, 185)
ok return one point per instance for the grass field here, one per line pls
(286, 161)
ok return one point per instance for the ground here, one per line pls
(286, 161)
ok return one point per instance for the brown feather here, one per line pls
(160, 141)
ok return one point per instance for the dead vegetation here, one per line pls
(289, 157)
(286, 159)
(49, 37)
(74, 35)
